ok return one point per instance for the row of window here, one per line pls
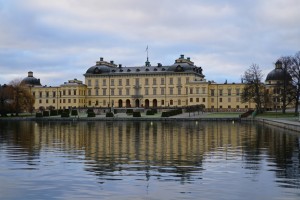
(221, 93)
(69, 92)
(63, 101)
(136, 81)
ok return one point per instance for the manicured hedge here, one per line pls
(150, 112)
(91, 114)
(171, 113)
(129, 111)
(53, 112)
(46, 113)
(74, 113)
(65, 114)
(109, 114)
(38, 114)
(136, 114)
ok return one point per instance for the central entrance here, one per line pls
(137, 103)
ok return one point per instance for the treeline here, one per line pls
(15, 98)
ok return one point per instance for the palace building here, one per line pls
(149, 86)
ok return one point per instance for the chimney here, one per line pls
(101, 58)
(30, 74)
(111, 62)
(120, 65)
(188, 58)
(181, 56)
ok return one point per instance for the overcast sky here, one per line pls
(60, 39)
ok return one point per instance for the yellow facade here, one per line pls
(109, 85)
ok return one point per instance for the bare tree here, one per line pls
(294, 71)
(254, 88)
(287, 89)
(6, 99)
(22, 98)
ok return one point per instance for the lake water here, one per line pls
(148, 160)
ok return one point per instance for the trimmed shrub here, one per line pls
(150, 112)
(53, 112)
(154, 111)
(115, 111)
(109, 114)
(171, 113)
(46, 113)
(67, 110)
(91, 114)
(65, 114)
(136, 114)
(60, 111)
(90, 110)
(74, 112)
(129, 111)
(38, 114)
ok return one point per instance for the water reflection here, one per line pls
(184, 152)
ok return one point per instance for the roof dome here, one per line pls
(278, 73)
(98, 69)
(30, 80)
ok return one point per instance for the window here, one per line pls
(203, 90)
(96, 83)
(33, 94)
(127, 82)
(53, 100)
(40, 101)
(179, 91)
(69, 92)
(64, 92)
(179, 102)
(229, 106)
(191, 90)
(162, 102)
(46, 100)
(229, 99)
(154, 91)
(54, 94)
(137, 82)
(120, 82)
(237, 91)
(97, 92)
(146, 81)
(238, 99)
(229, 92)
(104, 82)
(197, 91)
(179, 81)
(154, 81)
(203, 99)
(171, 91)
(171, 81)
(120, 91)
(221, 92)
(64, 101)
(162, 91)
(74, 100)
(89, 83)
(146, 91)
(212, 92)
(112, 82)
(41, 94)
(191, 99)
(171, 102)
(104, 91)
(212, 100)
(187, 79)
(162, 81)
(104, 103)
(47, 94)
(89, 92)
(69, 100)
(197, 100)
(112, 91)
(90, 103)
(127, 91)
(220, 100)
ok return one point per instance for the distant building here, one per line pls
(109, 85)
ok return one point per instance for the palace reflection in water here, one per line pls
(114, 150)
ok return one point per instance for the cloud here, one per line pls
(70, 35)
